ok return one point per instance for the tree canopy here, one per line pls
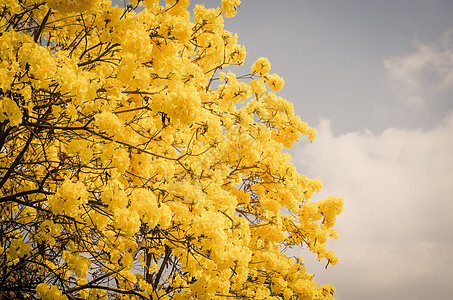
(135, 165)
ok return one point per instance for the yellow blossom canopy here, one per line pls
(136, 165)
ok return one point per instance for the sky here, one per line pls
(375, 78)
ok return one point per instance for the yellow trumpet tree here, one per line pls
(132, 167)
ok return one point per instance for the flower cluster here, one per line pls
(10, 112)
(69, 199)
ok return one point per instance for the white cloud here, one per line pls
(423, 75)
(396, 229)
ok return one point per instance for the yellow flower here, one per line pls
(261, 66)
(127, 221)
(144, 202)
(275, 82)
(258, 86)
(229, 7)
(108, 122)
(10, 111)
(76, 263)
(72, 6)
(80, 147)
(69, 198)
(49, 292)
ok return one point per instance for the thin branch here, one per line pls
(41, 27)
(162, 266)
(17, 160)
(109, 48)
(25, 193)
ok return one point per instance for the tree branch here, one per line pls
(16, 161)
(41, 27)
(162, 266)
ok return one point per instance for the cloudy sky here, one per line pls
(375, 78)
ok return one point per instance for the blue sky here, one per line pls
(331, 55)
(376, 79)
